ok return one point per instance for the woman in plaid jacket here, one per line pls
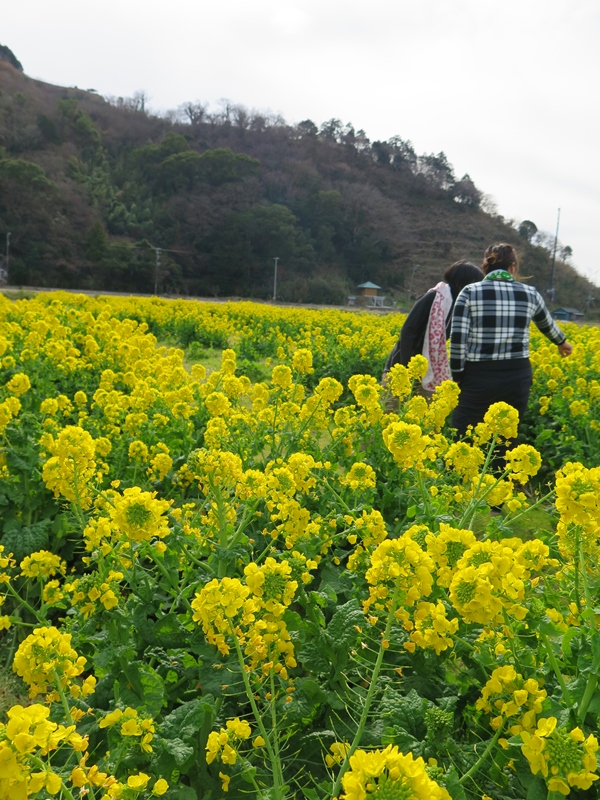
(489, 339)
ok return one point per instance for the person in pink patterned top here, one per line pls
(427, 326)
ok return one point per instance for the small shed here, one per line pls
(368, 289)
(367, 295)
(567, 314)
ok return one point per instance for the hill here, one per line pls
(99, 193)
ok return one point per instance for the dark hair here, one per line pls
(461, 274)
(500, 256)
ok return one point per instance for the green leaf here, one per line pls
(147, 688)
(537, 789)
(338, 581)
(180, 751)
(405, 712)
(451, 783)
(313, 657)
(594, 706)
(401, 738)
(180, 792)
(342, 628)
(168, 631)
(411, 512)
(187, 719)
(547, 627)
(569, 634)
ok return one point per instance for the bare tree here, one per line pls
(194, 112)
(140, 100)
(489, 205)
(241, 117)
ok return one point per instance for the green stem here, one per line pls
(223, 537)
(369, 698)
(275, 766)
(556, 668)
(11, 651)
(63, 697)
(530, 508)
(303, 428)
(337, 497)
(576, 567)
(76, 506)
(274, 720)
(246, 516)
(177, 594)
(590, 688)
(586, 586)
(473, 502)
(482, 759)
(26, 605)
(424, 495)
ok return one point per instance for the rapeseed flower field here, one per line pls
(256, 581)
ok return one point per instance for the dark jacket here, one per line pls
(412, 334)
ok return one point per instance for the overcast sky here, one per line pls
(508, 89)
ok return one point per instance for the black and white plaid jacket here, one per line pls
(491, 322)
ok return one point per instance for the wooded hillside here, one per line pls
(90, 187)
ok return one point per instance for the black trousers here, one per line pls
(488, 382)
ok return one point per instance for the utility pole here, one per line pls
(552, 290)
(156, 270)
(276, 259)
(7, 251)
(412, 278)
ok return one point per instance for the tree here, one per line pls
(333, 130)
(222, 165)
(195, 112)
(437, 171)
(382, 152)
(306, 129)
(242, 249)
(566, 253)
(527, 230)
(6, 54)
(466, 192)
(402, 154)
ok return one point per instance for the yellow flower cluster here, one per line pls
(490, 578)
(578, 503)
(19, 384)
(431, 628)
(447, 548)
(251, 614)
(500, 420)
(72, 466)
(361, 476)
(131, 724)
(222, 608)
(42, 564)
(90, 592)
(8, 411)
(524, 462)
(46, 658)
(398, 566)
(139, 515)
(406, 443)
(566, 759)
(466, 459)
(511, 699)
(389, 773)
(27, 736)
(222, 745)
(272, 584)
